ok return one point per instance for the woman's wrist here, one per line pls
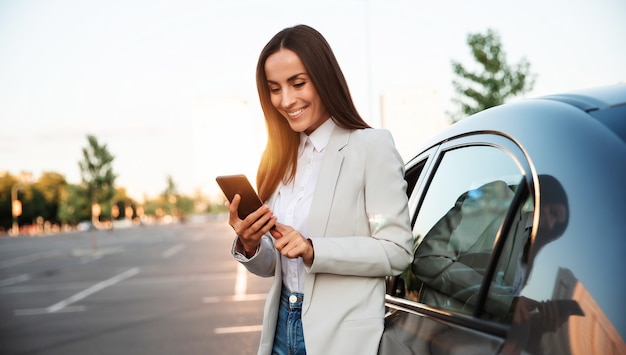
(247, 250)
(310, 254)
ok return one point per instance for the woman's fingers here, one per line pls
(253, 223)
(281, 230)
(291, 244)
(252, 228)
(233, 218)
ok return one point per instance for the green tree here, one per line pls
(122, 201)
(34, 205)
(32, 199)
(170, 196)
(74, 206)
(51, 184)
(6, 217)
(151, 206)
(494, 83)
(185, 206)
(97, 172)
(171, 188)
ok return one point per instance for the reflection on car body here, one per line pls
(516, 233)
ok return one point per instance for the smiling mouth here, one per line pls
(296, 113)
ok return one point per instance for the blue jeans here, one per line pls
(289, 339)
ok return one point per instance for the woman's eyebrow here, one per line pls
(294, 77)
(290, 79)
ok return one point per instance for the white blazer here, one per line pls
(360, 229)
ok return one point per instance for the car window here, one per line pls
(559, 303)
(465, 203)
(510, 272)
(412, 175)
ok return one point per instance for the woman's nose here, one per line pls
(288, 99)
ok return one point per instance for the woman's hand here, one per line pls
(292, 244)
(251, 229)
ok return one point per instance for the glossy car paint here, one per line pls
(580, 139)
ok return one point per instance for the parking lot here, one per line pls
(144, 290)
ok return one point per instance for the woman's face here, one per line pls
(292, 92)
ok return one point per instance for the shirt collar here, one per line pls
(320, 137)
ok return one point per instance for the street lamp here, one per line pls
(16, 208)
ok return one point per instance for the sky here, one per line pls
(169, 85)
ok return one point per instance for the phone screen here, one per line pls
(239, 184)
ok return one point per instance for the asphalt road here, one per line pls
(167, 289)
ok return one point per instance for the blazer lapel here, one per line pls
(327, 182)
(324, 195)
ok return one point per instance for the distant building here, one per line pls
(413, 115)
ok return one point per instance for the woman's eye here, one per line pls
(274, 90)
(299, 85)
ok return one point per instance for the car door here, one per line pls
(467, 197)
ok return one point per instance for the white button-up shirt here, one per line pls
(294, 199)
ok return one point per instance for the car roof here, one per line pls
(592, 99)
(606, 104)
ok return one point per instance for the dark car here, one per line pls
(519, 222)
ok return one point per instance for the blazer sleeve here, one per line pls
(383, 246)
(263, 263)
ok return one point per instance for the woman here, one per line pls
(336, 220)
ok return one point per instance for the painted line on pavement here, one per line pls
(28, 258)
(137, 282)
(173, 250)
(83, 294)
(93, 289)
(235, 298)
(243, 329)
(36, 311)
(241, 282)
(13, 280)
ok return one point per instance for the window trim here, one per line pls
(415, 198)
(432, 157)
(423, 310)
(500, 240)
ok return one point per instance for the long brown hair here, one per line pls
(280, 157)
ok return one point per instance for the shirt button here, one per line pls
(293, 299)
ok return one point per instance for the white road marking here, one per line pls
(241, 282)
(35, 311)
(173, 250)
(244, 329)
(241, 286)
(76, 286)
(93, 289)
(83, 294)
(28, 258)
(235, 298)
(13, 280)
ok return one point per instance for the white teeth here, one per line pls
(295, 113)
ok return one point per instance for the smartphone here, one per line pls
(239, 184)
